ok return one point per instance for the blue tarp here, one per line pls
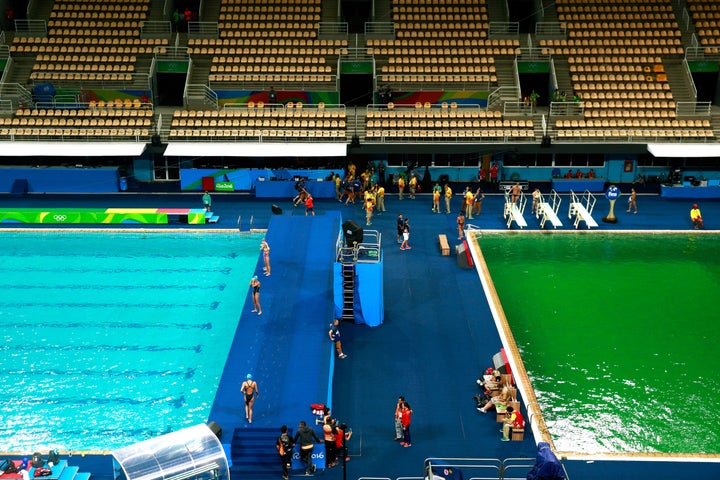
(547, 466)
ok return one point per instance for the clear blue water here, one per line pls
(111, 338)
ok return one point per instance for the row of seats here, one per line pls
(631, 104)
(88, 49)
(302, 54)
(461, 58)
(616, 68)
(260, 68)
(119, 108)
(437, 78)
(275, 78)
(269, 9)
(620, 77)
(91, 67)
(440, 26)
(448, 134)
(76, 122)
(635, 37)
(630, 113)
(464, 17)
(269, 17)
(622, 122)
(270, 43)
(74, 133)
(597, 7)
(256, 134)
(441, 69)
(636, 133)
(445, 44)
(614, 60)
(81, 15)
(263, 4)
(86, 58)
(288, 111)
(100, 7)
(268, 25)
(119, 23)
(627, 95)
(447, 123)
(428, 110)
(616, 17)
(80, 77)
(619, 86)
(284, 34)
(271, 60)
(424, 9)
(443, 6)
(610, 50)
(270, 123)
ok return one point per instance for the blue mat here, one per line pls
(286, 348)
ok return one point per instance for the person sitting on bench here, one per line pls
(696, 217)
(503, 399)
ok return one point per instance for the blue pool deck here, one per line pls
(437, 336)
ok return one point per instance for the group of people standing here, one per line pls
(403, 419)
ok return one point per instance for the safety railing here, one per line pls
(203, 30)
(551, 29)
(30, 28)
(326, 29)
(380, 28)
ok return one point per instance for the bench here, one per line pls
(444, 245)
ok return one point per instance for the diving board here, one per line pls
(60, 216)
(513, 211)
(581, 208)
(547, 210)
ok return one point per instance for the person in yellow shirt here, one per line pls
(369, 205)
(436, 201)
(448, 197)
(338, 187)
(380, 200)
(413, 186)
(401, 186)
(696, 217)
(469, 196)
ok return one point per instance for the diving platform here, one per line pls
(513, 211)
(547, 209)
(581, 208)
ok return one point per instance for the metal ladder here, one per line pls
(348, 279)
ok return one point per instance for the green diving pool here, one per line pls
(618, 334)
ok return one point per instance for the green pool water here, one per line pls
(619, 335)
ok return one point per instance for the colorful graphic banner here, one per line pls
(60, 216)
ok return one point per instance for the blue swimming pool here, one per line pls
(111, 338)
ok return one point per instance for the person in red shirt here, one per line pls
(405, 418)
(482, 174)
(494, 170)
(578, 174)
(569, 174)
(342, 434)
(309, 206)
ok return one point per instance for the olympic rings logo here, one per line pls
(60, 218)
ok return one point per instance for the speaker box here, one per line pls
(215, 428)
(546, 142)
(353, 233)
(276, 210)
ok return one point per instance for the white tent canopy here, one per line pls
(684, 150)
(190, 453)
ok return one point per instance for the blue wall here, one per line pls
(62, 180)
